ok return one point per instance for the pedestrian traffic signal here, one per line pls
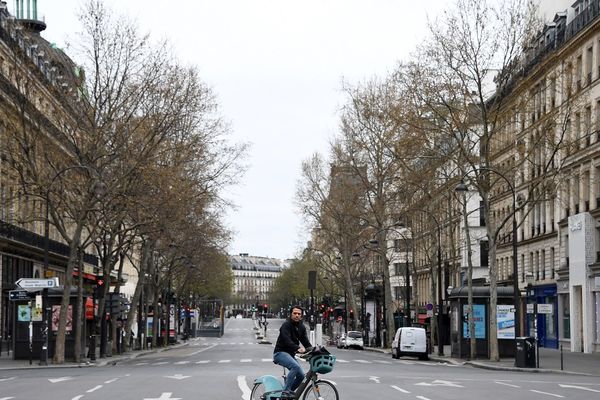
(265, 307)
(351, 314)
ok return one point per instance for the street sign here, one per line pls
(545, 308)
(18, 295)
(32, 284)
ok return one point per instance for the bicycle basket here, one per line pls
(322, 364)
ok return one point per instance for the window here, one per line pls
(397, 269)
(484, 252)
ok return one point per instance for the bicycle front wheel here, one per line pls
(258, 391)
(321, 390)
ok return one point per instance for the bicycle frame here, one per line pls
(274, 388)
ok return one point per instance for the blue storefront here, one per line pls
(547, 323)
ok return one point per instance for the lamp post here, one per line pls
(462, 187)
(99, 189)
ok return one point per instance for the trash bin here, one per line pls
(525, 357)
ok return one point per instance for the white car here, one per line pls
(410, 342)
(351, 339)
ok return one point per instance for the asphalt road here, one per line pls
(224, 368)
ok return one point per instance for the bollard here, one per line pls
(561, 357)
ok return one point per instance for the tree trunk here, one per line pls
(59, 348)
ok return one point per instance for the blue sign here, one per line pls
(479, 317)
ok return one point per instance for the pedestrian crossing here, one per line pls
(270, 360)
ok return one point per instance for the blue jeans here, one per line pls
(296, 373)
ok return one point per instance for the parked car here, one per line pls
(351, 339)
(341, 341)
(410, 341)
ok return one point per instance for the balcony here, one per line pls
(23, 236)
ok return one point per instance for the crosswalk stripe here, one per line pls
(363, 361)
(246, 360)
(203, 362)
(224, 361)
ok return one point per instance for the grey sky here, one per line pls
(276, 67)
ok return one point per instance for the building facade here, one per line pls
(253, 280)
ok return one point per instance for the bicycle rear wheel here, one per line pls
(258, 390)
(321, 390)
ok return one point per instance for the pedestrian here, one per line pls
(292, 339)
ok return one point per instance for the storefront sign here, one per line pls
(545, 309)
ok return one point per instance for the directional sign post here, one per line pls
(15, 295)
(32, 284)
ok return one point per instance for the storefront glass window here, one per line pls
(566, 317)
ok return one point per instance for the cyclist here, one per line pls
(292, 339)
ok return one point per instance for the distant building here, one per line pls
(253, 279)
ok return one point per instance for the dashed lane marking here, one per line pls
(546, 393)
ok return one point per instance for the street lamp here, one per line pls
(99, 189)
(462, 187)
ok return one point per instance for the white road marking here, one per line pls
(383, 361)
(201, 350)
(160, 363)
(6, 398)
(267, 359)
(507, 384)
(111, 380)
(94, 389)
(246, 360)
(438, 382)
(342, 361)
(241, 380)
(400, 390)
(164, 396)
(422, 398)
(62, 379)
(142, 363)
(374, 379)
(7, 379)
(363, 361)
(224, 361)
(74, 398)
(203, 362)
(579, 387)
(546, 393)
(182, 362)
(177, 376)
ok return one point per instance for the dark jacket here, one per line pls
(290, 336)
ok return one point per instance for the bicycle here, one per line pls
(268, 387)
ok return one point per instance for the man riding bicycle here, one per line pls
(291, 334)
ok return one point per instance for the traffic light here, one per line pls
(351, 314)
(322, 308)
(265, 307)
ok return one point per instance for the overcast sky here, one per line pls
(276, 67)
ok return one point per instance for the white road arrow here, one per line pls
(439, 383)
(6, 398)
(164, 396)
(578, 387)
(64, 378)
(177, 376)
(241, 380)
(374, 379)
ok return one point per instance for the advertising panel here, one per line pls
(479, 318)
(505, 318)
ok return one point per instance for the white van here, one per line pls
(410, 342)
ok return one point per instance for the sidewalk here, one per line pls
(549, 361)
(7, 363)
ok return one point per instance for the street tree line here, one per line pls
(455, 110)
(130, 160)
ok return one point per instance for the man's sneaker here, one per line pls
(287, 395)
